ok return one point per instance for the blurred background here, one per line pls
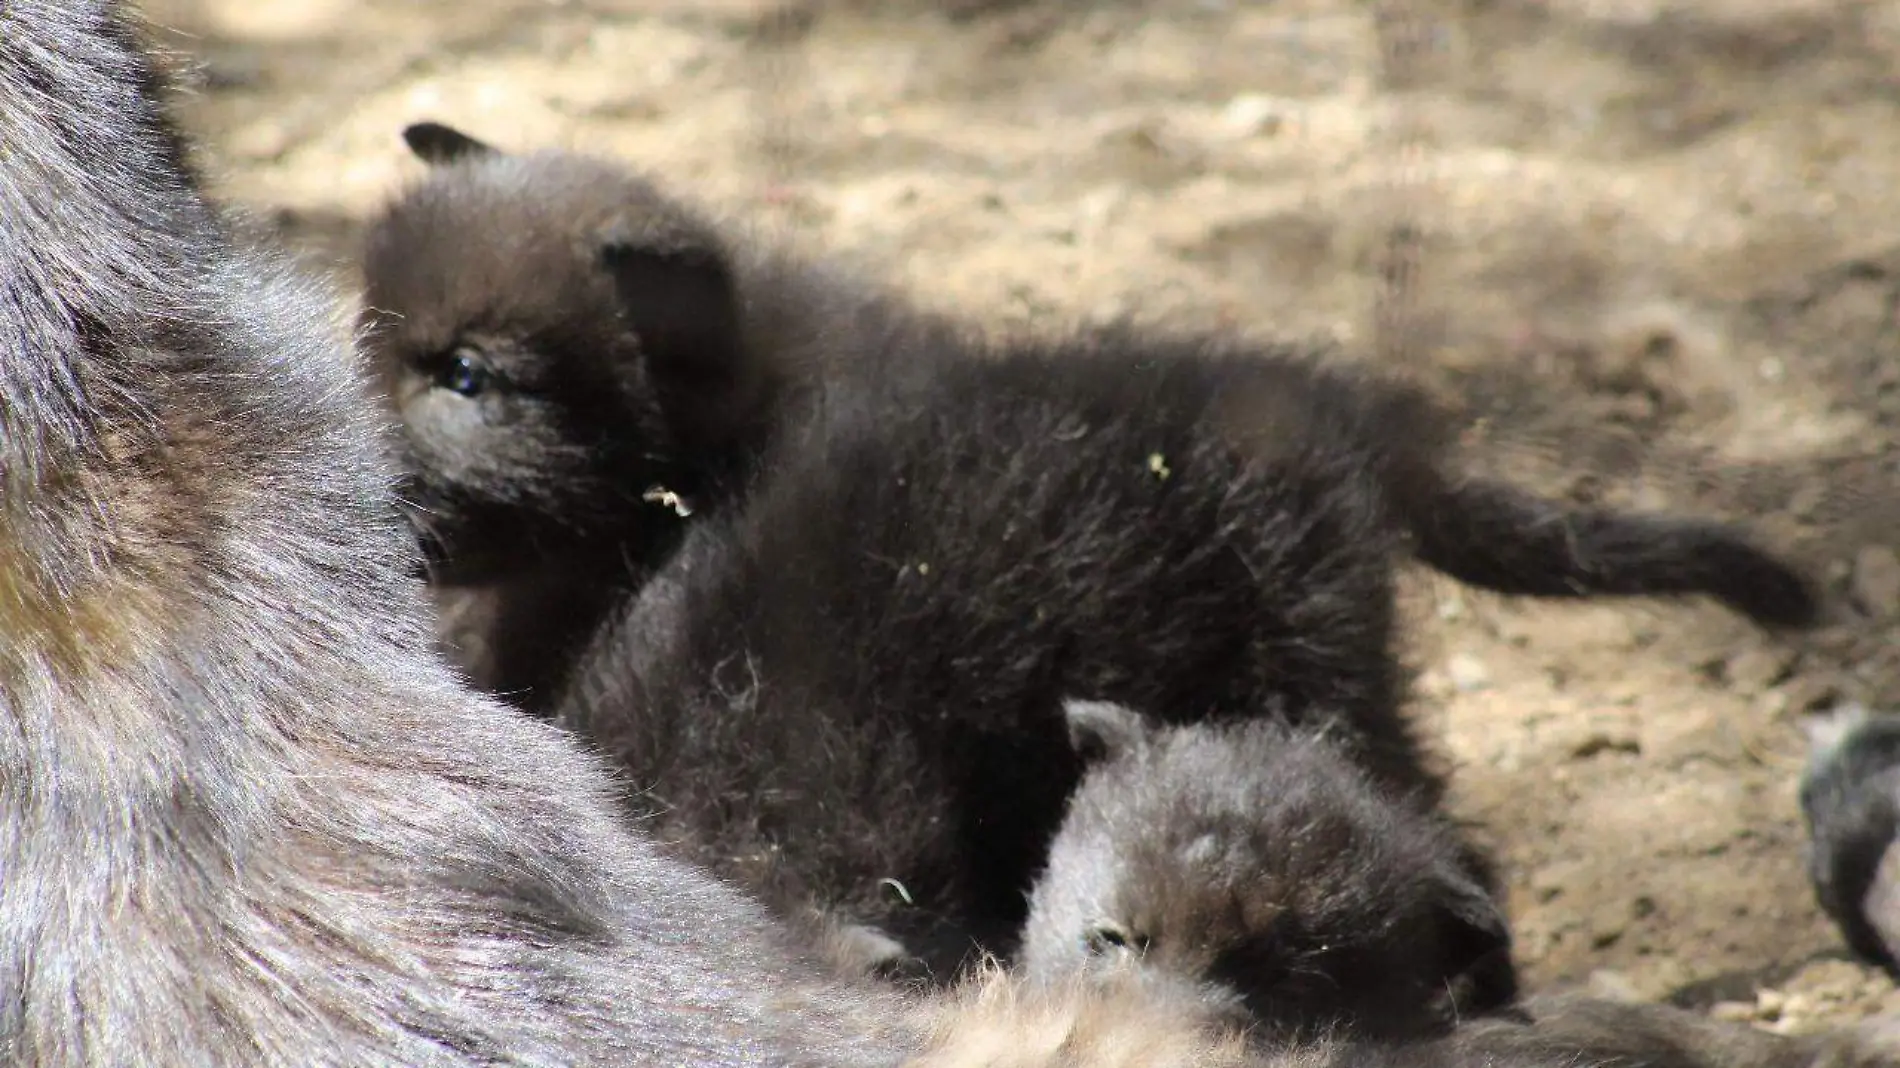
(1652, 246)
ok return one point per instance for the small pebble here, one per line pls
(1876, 581)
(1467, 673)
(1612, 985)
(1807, 500)
(1758, 668)
(1251, 114)
(1451, 607)
(1604, 741)
(1811, 693)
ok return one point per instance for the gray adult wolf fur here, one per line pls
(245, 817)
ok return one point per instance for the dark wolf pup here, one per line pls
(847, 687)
(580, 363)
(1850, 794)
(578, 357)
(1247, 871)
(1252, 867)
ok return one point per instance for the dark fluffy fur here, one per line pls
(245, 816)
(616, 341)
(1850, 794)
(1255, 867)
(856, 676)
(560, 340)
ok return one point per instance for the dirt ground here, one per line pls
(1660, 258)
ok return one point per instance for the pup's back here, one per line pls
(858, 677)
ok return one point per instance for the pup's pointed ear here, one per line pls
(1103, 730)
(1826, 730)
(437, 144)
(1480, 975)
(682, 303)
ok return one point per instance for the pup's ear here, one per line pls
(437, 144)
(1103, 730)
(1480, 975)
(680, 301)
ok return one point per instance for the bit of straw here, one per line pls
(661, 495)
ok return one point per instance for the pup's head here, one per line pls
(1254, 865)
(1850, 794)
(558, 339)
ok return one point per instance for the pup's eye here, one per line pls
(1106, 938)
(464, 374)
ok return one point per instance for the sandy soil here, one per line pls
(1660, 257)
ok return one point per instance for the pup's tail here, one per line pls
(1499, 537)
